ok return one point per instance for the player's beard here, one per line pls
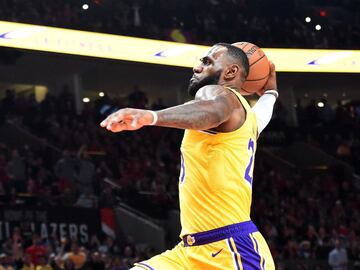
(195, 85)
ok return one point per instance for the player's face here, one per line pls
(208, 71)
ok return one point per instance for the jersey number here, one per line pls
(248, 171)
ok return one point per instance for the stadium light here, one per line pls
(58, 40)
(307, 19)
(321, 104)
(101, 94)
(85, 6)
(86, 100)
(318, 27)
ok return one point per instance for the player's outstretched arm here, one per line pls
(211, 107)
(264, 106)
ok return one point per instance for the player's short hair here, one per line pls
(238, 55)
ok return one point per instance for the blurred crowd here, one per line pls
(36, 253)
(69, 167)
(82, 156)
(335, 129)
(279, 23)
(302, 215)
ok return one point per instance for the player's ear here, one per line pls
(232, 71)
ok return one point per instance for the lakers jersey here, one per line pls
(215, 183)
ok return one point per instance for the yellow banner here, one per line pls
(50, 39)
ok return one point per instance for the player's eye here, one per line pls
(205, 60)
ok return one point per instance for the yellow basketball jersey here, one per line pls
(215, 183)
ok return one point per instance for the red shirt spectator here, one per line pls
(36, 250)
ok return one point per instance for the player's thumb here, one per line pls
(272, 82)
(272, 67)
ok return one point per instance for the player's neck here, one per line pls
(230, 85)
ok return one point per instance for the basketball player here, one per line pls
(217, 160)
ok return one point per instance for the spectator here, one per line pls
(108, 246)
(75, 256)
(129, 256)
(43, 264)
(338, 258)
(322, 244)
(26, 263)
(117, 264)
(305, 249)
(17, 171)
(6, 262)
(37, 250)
(65, 167)
(96, 263)
(86, 171)
(69, 265)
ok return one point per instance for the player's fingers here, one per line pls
(272, 66)
(104, 123)
(111, 121)
(116, 118)
(117, 127)
(108, 119)
(260, 92)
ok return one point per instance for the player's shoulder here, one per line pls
(212, 91)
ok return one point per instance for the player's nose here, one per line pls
(197, 69)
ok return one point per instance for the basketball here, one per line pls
(259, 68)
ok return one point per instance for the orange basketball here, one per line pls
(259, 68)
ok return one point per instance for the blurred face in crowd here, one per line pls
(209, 70)
(337, 243)
(109, 241)
(96, 256)
(3, 259)
(105, 258)
(74, 247)
(37, 240)
(128, 252)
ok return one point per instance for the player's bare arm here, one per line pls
(213, 106)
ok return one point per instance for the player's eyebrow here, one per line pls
(206, 58)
